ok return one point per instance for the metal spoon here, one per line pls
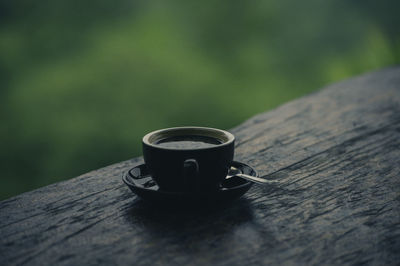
(236, 172)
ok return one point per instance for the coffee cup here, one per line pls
(188, 159)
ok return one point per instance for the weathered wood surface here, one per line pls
(336, 154)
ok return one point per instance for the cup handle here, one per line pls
(191, 173)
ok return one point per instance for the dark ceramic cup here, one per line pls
(188, 159)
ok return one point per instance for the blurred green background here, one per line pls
(82, 81)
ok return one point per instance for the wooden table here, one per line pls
(335, 153)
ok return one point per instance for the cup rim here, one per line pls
(230, 138)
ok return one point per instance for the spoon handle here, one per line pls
(257, 180)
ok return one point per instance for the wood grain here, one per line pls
(335, 153)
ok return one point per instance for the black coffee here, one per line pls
(188, 142)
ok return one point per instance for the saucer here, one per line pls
(142, 184)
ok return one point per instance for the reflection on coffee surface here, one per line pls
(188, 142)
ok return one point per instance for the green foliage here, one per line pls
(82, 81)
